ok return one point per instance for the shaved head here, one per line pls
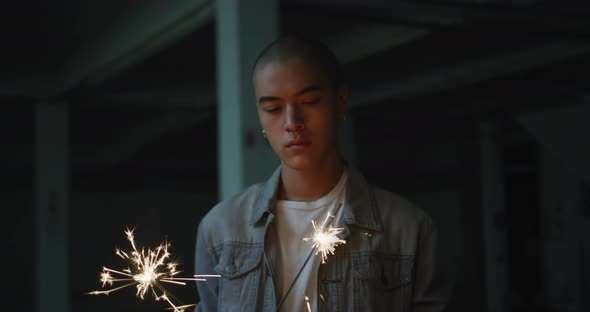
(311, 52)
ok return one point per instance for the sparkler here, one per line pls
(325, 238)
(147, 270)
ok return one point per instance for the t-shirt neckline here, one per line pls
(320, 202)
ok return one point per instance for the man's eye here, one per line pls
(311, 101)
(271, 109)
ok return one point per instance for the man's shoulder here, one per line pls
(232, 212)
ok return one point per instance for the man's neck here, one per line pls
(310, 185)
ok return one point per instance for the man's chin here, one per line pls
(299, 163)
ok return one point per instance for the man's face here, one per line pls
(299, 111)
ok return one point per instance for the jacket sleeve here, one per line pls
(433, 285)
(204, 264)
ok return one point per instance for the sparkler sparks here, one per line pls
(325, 238)
(147, 270)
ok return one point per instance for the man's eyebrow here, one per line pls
(270, 98)
(267, 98)
(311, 88)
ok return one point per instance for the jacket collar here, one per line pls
(360, 207)
(266, 197)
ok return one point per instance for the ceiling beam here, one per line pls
(471, 71)
(366, 40)
(154, 26)
(570, 18)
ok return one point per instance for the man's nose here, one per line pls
(294, 119)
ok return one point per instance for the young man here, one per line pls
(255, 239)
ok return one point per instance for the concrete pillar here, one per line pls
(494, 219)
(52, 210)
(561, 202)
(243, 29)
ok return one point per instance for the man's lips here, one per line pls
(298, 142)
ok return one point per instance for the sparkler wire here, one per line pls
(295, 280)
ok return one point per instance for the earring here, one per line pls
(264, 133)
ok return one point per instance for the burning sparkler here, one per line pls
(147, 270)
(325, 238)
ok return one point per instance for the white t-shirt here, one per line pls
(293, 223)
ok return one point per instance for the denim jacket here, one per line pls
(388, 263)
